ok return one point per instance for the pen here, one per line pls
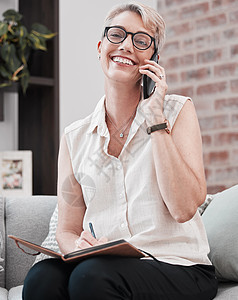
(91, 229)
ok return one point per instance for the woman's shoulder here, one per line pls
(174, 98)
(79, 124)
(172, 106)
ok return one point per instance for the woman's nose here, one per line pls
(127, 44)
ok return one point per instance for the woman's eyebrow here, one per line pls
(142, 31)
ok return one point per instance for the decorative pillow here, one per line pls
(221, 223)
(205, 204)
(50, 241)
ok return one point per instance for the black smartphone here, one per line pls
(148, 83)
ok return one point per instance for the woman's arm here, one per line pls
(71, 204)
(70, 235)
(179, 165)
(177, 156)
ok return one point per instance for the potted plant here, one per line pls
(16, 44)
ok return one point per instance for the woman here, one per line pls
(132, 179)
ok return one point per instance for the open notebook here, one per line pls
(117, 248)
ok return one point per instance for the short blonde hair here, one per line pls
(150, 17)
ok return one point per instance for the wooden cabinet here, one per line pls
(39, 108)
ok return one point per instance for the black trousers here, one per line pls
(109, 278)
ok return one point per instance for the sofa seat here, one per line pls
(227, 291)
(13, 294)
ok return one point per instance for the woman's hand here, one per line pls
(86, 240)
(153, 106)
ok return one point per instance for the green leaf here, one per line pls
(40, 28)
(25, 76)
(8, 54)
(3, 28)
(36, 42)
(2, 85)
(5, 73)
(12, 15)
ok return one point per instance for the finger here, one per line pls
(158, 71)
(103, 240)
(154, 63)
(87, 236)
(82, 244)
(152, 75)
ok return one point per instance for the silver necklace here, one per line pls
(124, 126)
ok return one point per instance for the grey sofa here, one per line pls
(29, 218)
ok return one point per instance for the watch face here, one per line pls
(149, 130)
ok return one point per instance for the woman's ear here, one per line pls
(99, 49)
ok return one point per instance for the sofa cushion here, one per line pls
(227, 291)
(2, 244)
(15, 293)
(3, 294)
(221, 223)
(27, 218)
(50, 241)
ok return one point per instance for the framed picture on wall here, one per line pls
(16, 173)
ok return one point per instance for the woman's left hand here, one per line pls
(153, 106)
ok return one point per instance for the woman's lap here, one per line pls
(118, 278)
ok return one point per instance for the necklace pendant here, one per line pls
(121, 135)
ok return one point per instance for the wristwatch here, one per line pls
(160, 126)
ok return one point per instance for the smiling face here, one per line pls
(120, 62)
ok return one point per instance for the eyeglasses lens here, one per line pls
(140, 40)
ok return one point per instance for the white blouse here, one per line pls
(122, 197)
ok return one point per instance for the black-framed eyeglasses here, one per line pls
(117, 34)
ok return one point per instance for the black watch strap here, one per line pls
(158, 127)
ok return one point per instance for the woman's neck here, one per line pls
(121, 101)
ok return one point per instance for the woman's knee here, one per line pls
(94, 278)
(46, 280)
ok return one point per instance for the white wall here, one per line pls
(81, 79)
(9, 127)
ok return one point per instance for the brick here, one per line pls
(171, 47)
(172, 63)
(213, 122)
(179, 29)
(176, 3)
(206, 140)
(203, 104)
(228, 174)
(234, 86)
(172, 78)
(195, 74)
(234, 120)
(187, 60)
(209, 56)
(234, 155)
(188, 43)
(227, 69)
(231, 33)
(217, 188)
(234, 17)
(193, 11)
(229, 104)
(212, 88)
(226, 138)
(203, 41)
(222, 3)
(213, 21)
(216, 158)
(185, 91)
(234, 51)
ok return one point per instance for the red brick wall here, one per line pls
(201, 60)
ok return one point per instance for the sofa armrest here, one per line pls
(27, 218)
